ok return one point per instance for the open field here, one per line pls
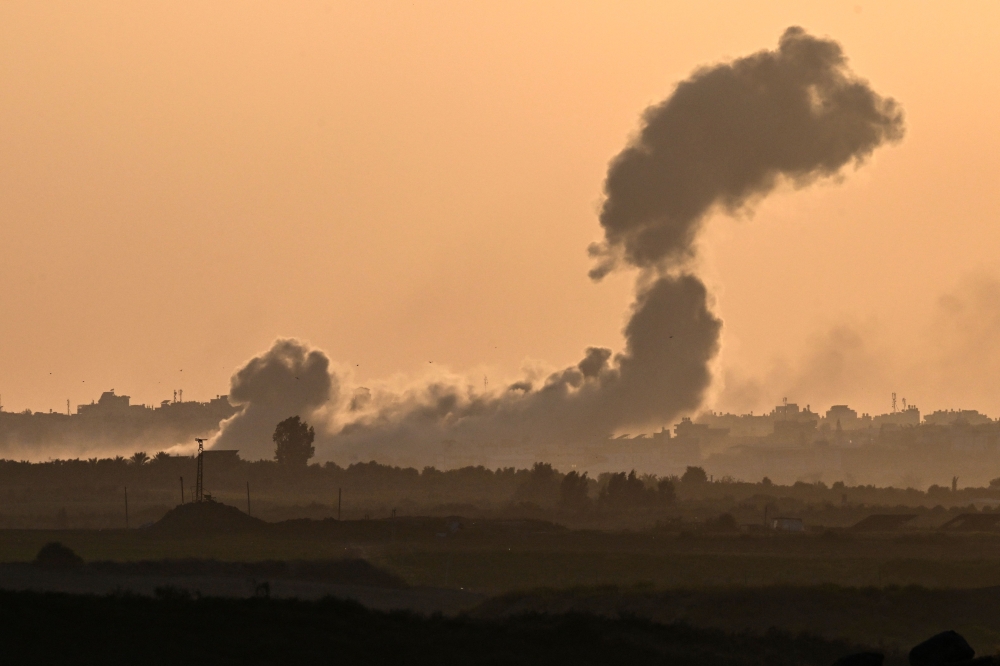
(494, 557)
(887, 591)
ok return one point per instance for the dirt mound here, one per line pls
(206, 518)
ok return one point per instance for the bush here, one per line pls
(54, 555)
(694, 475)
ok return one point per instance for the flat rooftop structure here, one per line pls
(883, 522)
(973, 522)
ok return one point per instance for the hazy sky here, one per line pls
(397, 184)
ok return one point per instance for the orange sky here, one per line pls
(181, 184)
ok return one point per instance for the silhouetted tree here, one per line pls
(694, 475)
(540, 487)
(726, 522)
(625, 491)
(293, 440)
(573, 494)
(161, 457)
(665, 490)
(139, 458)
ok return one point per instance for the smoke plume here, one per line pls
(726, 136)
(288, 380)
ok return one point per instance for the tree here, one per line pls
(541, 486)
(667, 494)
(293, 440)
(694, 475)
(139, 458)
(626, 491)
(573, 494)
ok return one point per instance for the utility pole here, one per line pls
(248, 498)
(340, 496)
(126, 507)
(182, 490)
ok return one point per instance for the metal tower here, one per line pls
(198, 494)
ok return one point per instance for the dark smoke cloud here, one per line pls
(671, 337)
(290, 379)
(726, 136)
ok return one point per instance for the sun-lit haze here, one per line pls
(412, 189)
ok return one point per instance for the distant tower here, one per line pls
(198, 488)
(180, 395)
(67, 407)
(894, 402)
(175, 395)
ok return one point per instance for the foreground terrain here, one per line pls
(694, 596)
(176, 629)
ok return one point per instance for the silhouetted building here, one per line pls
(847, 417)
(108, 403)
(905, 418)
(951, 416)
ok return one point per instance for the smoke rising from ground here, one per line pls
(288, 380)
(726, 136)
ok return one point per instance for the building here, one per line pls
(108, 403)
(908, 417)
(787, 525)
(843, 415)
(953, 416)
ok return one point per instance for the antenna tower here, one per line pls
(894, 402)
(198, 489)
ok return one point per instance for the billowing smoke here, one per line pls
(288, 380)
(726, 136)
